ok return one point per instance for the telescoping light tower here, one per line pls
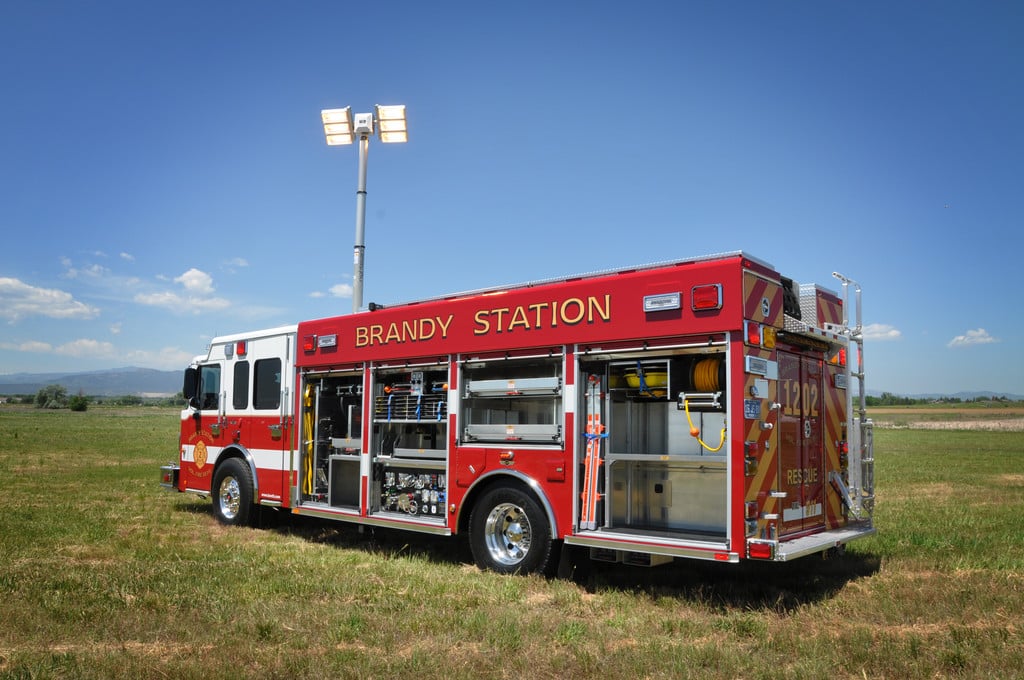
(341, 128)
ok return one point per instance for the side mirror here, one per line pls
(190, 387)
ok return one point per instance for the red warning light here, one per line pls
(706, 297)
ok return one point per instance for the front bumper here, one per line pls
(169, 476)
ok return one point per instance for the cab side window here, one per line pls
(209, 388)
(240, 388)
(267, 385)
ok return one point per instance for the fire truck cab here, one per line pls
(700, 408)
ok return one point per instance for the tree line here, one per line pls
(57, 397)
(890, 399)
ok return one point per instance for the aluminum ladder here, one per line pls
(859, 494)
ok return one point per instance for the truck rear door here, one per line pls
(801, 443)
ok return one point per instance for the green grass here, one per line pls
(102, 575)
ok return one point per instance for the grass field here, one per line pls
(102, 575)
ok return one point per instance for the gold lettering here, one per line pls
(376, 330)
(362, 336)
(444, 325)
(499, 312)
(537, 308)
(392, 333)
(409, 331)
(424, 333)
(519, 319)
(604, 312)
(580, 309)
(483, 325)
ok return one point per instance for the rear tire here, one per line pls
(233, 493)
(509, 533)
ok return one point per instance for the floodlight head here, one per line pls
(337, 125)
(392, 123)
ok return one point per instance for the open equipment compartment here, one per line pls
(660, 478)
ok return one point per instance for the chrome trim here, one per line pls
(529, 481)
(695, 550)
(351, 517)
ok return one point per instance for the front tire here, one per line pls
(233, 493)
(509, 532)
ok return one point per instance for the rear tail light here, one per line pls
(753, 333)
(760, 550)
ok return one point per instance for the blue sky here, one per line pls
(164, 176)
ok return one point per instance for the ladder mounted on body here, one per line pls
(592, 461)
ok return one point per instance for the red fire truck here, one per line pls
(701, 408)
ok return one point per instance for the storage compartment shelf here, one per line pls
(513, 432)
(511, 387)
(410, 408)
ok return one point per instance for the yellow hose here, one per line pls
(307, 465)
(695, 432)
(705, 375)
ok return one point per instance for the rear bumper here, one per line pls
(169, 477)
(783, 551)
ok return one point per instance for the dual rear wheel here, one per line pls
(510, 533)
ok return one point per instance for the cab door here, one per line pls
(801, 442)
(203, 434)
(270, 418)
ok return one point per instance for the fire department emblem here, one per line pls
(199, 454)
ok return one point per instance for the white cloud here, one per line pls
(163, 299)
(972, 337)
(208, 304)
(317, 294)
(196, 281)
(30, 346)
(115, 328)
(19, 299)
(342, 290)
(127, 257)
(198, 285)
(237, 262)
(85, 347)
(881, 331)
(92, 272)
(178, 303)
(168, 358)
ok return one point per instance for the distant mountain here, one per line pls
(108, 383)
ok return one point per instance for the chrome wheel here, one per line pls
(232, 491)
(228, 496)
(508, 534)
